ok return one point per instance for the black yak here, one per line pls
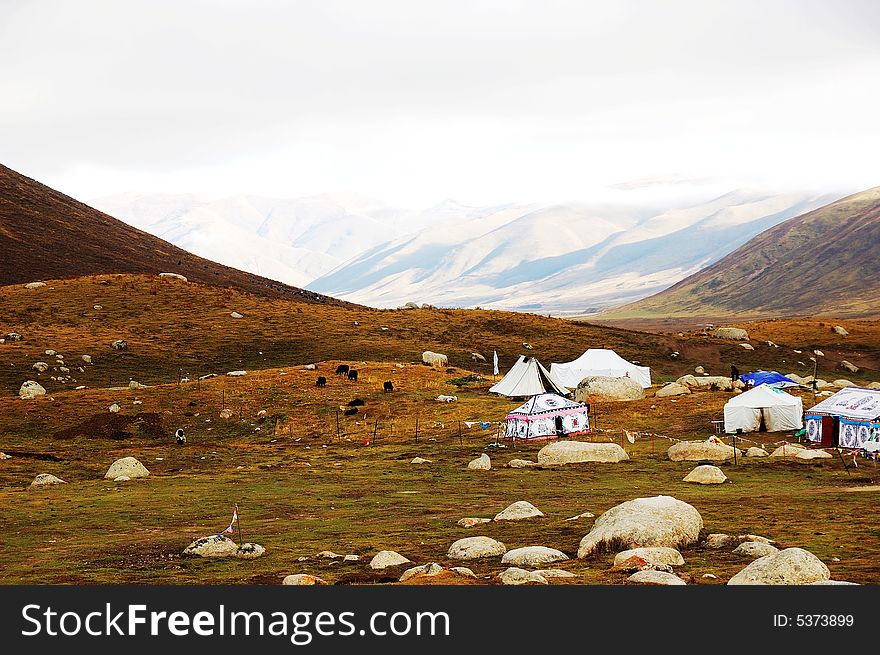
(322, 382)
(353, 375)
(342, 369)
(388, 386)
(357, 402)
(350, 412)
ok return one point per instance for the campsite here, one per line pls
(267, 440)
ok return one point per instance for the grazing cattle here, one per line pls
(322, 382)
(353, 375)
(357, 402)
(350, 412)
(342, 369)
(388, 386)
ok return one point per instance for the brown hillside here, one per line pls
(820, 263)
(45, 234)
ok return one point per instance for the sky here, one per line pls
(414, 102)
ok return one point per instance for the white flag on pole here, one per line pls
(495, 362)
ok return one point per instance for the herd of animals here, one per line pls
(351, 374)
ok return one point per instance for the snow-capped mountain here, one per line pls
(549, 258)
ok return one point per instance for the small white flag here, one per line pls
(495, 362)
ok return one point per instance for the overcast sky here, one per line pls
(413, 102)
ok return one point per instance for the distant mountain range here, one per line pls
(555, 258)
(823, 262)
(45, 234)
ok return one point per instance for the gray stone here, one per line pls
(475, 548)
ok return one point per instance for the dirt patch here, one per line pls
(116, 427)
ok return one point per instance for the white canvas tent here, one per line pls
(528, 378)
(855, 419)
(779, 410)
(547, 416)
(600, 361)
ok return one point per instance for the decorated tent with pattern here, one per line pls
(856, 417)
(599, 362)
(528, 377)
(763, 407)
(547, 416)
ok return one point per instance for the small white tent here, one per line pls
(779, 411)
(528, 378)
(600, 361)
(547, 416)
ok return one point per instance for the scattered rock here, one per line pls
(808, 454)
(818, 353)
(718, 382)
(573, 452)
(787, 450)
(31, 389)
(608, 388)
(174, 276)
(517, 576)
(731, 334)
(833, 582)
(114, 408)
(122, 478)
(718, 540)
(302, 579)
(213, 546)
(518, 511)
(555, 573)
(385, 558)
(746, 346)
(521, 463)
(471, 522)
(656, 521)
(475, 548)
(328, 554)
(842, 383)
(755, 549)
(755, 451)
(463, 571)
(699, 370)
(655, 578)
(706, 474)
(481, 463)
(847, 366)
(34, 285)
(839, 329)
(651, 556)
(120, 344)
(128, 466)
(420, 460)
(13, 336)
(792, 566)
(351, 558)
(672, 389)
(44, 479)
(236, 374)
(226, 413)
(584, 515)
(429, 570)
(236, 315)
(696, 451)
(40, 367)
(250, 551)
(533, 556)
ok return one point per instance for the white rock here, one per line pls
(481, 463)
(518, 576)
(849, 366)
(114, 408)
(672, 389)
(428, 570)
(475, 548)
(44, 479)
(706, 474)
(521, 463)
(122, 478)
(652, 555)
(128, 466)
(755, 549)
(463, 571)
(808, 454)
(250, 551)
(555, 573)
(518, 511)
(302, 579)
(657, 521)
(174, 276)
(31, 389)
(236, 315)
(609, 388)
(226, 413)
(533, 556)
(120, 344)
(655, 578)
(696, 451)
(328, 554)
(792, 566)
(842, 384)
(731, 334)
(470, 522)
(787, 450)
(573, 452)
(236, 374)
(213, 546)
(34, 285)
(584, 515)
(746, 346)
(839, 329)
(40, 367)
(351, 558)
(385, 558)
(420, 460)
(754, 451)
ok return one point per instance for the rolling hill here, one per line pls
(45, 234)
(820, 263)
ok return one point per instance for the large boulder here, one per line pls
(672, 389)
(385, 558)
(655, 578)
(435, 359)
(481, 463)
(731, 334)
(521, 509)
(475, 548)
(44, 479)
(517, 576)
(128, 467)
(706, 474)
(426, 570)
(656, 521)
(792, 566)
(711, 382)
(533, 556)
(31, 389)
(755, 549)
(755, 451)
(608, 388)
(808, 454)
(574, 452)
(653, 556)
(214, 546)
(787, 450)
(697, 451)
